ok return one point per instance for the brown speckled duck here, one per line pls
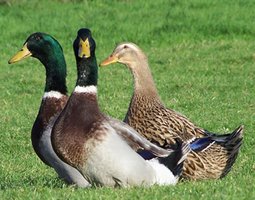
(47, 49)
(149, 117)
(99, 147)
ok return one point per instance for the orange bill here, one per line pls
(110, 60)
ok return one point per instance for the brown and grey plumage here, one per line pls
(149, 117)
(101, 148)
(47, 49)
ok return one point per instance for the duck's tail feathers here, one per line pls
(231, 143)
(175, 160)
(232, 140)
(229, 137)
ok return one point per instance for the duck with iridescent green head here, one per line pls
(103, 148)
(47, 49)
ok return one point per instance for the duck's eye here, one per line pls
(125, 47)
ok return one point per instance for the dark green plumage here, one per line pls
(45, 48)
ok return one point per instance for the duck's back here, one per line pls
(149, 117)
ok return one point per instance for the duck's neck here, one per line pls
(143, 80)
(87, 72)
(55, 73)
(86, 85)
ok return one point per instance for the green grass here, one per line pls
(201, 54)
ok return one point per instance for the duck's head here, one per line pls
(84, 48)
(125, 53)
(41, 46)
(47, 49)
(84, 45)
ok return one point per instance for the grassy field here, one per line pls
(202, 56)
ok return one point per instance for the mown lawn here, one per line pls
(202, 56)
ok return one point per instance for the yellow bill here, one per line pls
(22, 54)
(84, 49)
(110, 60)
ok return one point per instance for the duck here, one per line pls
(104, 149)
(49, 52)
(148, 115)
